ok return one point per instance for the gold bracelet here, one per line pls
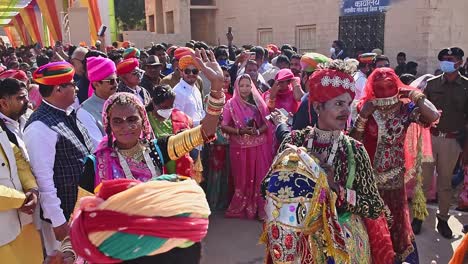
(182, 143)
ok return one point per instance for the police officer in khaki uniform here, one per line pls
(449, 93)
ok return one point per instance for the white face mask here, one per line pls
(165, 113)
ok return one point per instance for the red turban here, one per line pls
(327, 84)
(15, 74)
(127, 66)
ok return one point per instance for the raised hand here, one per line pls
(206, 61)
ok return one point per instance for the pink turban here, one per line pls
(98, 69)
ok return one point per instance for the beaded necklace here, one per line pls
(148, 161)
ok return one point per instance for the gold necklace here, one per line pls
(135, 152)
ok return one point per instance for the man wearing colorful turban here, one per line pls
(344, 159)
(130, 75)
(188, 95)
(131, 53)
(57, 145)
(174, 78)
(103, 81)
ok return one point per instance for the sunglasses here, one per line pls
(111, 81)
(136, 73)
(193, 71)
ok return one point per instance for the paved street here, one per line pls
(234, 241)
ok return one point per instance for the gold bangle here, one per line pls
(182, 143)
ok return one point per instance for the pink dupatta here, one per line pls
(241, 108)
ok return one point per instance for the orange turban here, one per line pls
(186, 61)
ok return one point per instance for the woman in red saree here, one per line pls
(250, 137)
(385, 113)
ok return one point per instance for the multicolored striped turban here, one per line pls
(128, 219)
(54, 73)
(310, 61)
(127, 66)
(131, 53)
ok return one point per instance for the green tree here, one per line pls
(130, 14)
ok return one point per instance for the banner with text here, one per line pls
(362, 7)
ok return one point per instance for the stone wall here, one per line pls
(418, 27)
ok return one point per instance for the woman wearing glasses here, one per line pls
(101, 73)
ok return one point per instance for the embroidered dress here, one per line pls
(336, 148)
(384, 140)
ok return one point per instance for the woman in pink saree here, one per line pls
(250, 139)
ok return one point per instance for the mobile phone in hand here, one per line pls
(102, 30)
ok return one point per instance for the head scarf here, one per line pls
(377, 74)
(128, 219)
(239, 104)
(131, 53)
(125, 99)
(183, 51)
(15, 74)
(310, 61)
(240, 107)
(186, 61)
(54, 73)
(127, 66)
(328, 83)
(284, 75)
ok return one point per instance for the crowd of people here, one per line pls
(117, 154)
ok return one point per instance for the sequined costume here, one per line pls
(367, 203)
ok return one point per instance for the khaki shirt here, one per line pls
(452, 99)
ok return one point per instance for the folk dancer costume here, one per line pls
(57, 144)
(128, 221)
(384, 135)
(18, 235)
(293, 197)
(146, 159)
(90, 112)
